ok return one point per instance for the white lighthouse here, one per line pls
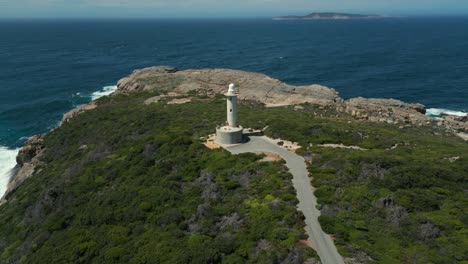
(231, 132)
(232, 106)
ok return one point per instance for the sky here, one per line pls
(221, 8)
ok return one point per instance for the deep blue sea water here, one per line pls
(48, 67)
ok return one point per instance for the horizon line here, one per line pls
(205, 18)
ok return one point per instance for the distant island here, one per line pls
(327, 15)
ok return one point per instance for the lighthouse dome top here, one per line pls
(232, 89)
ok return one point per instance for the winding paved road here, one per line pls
(322, 242)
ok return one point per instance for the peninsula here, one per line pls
(327, 15)
(134, 178)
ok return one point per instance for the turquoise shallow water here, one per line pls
(48, 67)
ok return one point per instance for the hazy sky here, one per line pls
(223, 8)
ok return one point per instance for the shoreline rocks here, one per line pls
(28, 159)
(70, 114)
(387, 110)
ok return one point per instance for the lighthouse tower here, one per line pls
(231, 132)
(232, 106)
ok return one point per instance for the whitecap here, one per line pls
(107, 90)
(436, 112)
(7, 164)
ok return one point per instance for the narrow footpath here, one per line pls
(322, 242)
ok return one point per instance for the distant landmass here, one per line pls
(327, 15)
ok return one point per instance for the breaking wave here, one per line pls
(7, 163)
(437, 112)
(8, 156)
(105, 91)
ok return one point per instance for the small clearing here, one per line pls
(180, 101)
(270, 157)
(210, 142)
(158, 98)
(341, 146)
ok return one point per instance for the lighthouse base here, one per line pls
(229, 135)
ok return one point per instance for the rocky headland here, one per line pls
(128, 173)
(272, 92)
(171, 82)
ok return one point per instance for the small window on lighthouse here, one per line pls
(230, 110)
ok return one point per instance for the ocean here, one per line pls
(48, 67)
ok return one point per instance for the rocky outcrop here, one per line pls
(31, 149)
(69, 115)
(458, 123)
(169, 81)
(258, 87)
(137, 80)
(28, 159)
(210, 82)
(386, 110)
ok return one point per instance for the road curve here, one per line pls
(322, 242)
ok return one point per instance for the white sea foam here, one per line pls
(105, 91)
(436, 112)
(8, 156)
(7, 163)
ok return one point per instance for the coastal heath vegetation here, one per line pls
(133, 183)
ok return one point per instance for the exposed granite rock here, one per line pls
(458, 123)
(272, 92)
(32, 147)
(170, 81)
(419, 108)
(28, 159)
(387, 110)
(253, 86)
(464, 136)
(69, 115)
(132, 83)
